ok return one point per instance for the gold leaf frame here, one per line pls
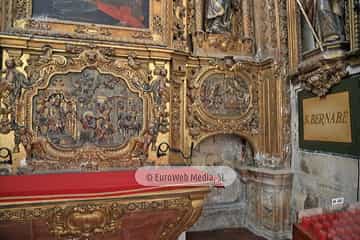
(210, 125)
(55, 157)
(21, 21)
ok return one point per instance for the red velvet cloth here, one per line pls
(70, 185)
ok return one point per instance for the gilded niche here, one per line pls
(225, 96)
(87, 108)
(223, 27)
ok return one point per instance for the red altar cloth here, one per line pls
(71, 186)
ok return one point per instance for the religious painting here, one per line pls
(124, 13)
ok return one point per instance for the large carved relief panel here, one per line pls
(85, 109)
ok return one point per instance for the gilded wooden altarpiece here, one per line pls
(324, 65)
(223, 97)
(92, 96)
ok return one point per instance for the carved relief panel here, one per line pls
(86, 109)
(223, 100)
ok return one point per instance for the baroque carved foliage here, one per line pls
(176, 104)
(98, 105)
(179, 25)
(322, 77)
(6, 108)
(222, 98)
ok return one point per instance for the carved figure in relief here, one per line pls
(15, 78)
(88, 124)
(327, 17)
(218, 16)
(5, 107)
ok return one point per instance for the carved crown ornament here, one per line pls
(320, 77)
(143, 22)
(86, 110)
(223, 98)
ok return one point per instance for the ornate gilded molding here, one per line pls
(21, 20)
(92, 30)
(66, 84)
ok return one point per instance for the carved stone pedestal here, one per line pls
(268, 201)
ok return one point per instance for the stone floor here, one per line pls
(228, 234)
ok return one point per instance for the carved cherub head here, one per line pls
(10, 63)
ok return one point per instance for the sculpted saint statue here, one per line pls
(327, 18)
(218, 16)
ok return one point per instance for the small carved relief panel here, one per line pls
(225, 96)
(222, 99)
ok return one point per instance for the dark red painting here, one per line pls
(125, 13)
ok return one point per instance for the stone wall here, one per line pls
(319, 176)
(258, 199)
(225, 208)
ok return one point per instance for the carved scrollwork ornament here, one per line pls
(222, 99)
(80, 99)
(321, 79)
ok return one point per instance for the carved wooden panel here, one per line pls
(87, 108)
(224, 96)
(163, 215)
(223, 99)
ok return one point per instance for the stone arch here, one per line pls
(231, 149)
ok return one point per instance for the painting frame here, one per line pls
(22, 21)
